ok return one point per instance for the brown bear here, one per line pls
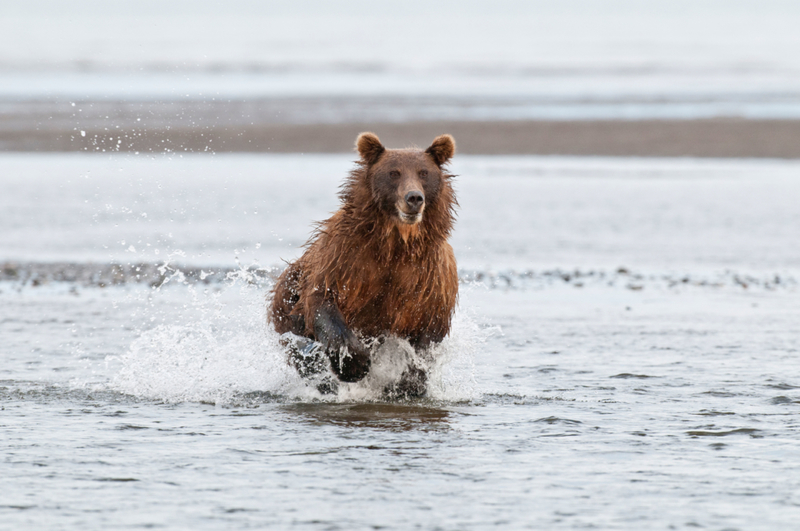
(381, 265)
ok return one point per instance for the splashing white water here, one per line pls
(216, 347)
(449, 366)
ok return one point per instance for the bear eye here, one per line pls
(423, 173)
(394, 173)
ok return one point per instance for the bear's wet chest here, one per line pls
(398, 281)
(395, 290)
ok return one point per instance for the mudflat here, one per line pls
(240, 127)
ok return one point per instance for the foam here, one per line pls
(218, 349)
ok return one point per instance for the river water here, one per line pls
(410, 60)
(623, 355)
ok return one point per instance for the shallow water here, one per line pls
(511, 59)
(674, 215)
(625, 360)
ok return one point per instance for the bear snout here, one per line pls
(415, 200)
(410, 207)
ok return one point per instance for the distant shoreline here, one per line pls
(717, 137)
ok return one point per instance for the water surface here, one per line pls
(623, 356)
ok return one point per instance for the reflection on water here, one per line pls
(382, 416)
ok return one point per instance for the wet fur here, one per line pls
(379, 274)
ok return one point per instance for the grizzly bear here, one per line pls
(381, 265)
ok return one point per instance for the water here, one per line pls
(575, 59)
(653, 215)
(623, 356)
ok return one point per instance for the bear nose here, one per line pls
(415, 200)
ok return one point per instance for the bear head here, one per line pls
(404, 182)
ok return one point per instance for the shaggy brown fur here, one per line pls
(381, 264)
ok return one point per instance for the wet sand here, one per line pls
(243, 127)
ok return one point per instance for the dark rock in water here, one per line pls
(10, 271)
(104, 275)
(35, 274)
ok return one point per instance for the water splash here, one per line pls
(215, 346)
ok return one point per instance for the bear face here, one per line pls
(404, 181)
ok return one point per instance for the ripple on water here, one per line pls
(190, 408)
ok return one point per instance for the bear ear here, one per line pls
(442, 149)
(369, 147)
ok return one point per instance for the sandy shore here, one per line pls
(663, 138)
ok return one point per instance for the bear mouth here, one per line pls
(409, 219)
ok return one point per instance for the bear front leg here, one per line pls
(413, 383)
(349, 358)
(425, 340)
(285, 296)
